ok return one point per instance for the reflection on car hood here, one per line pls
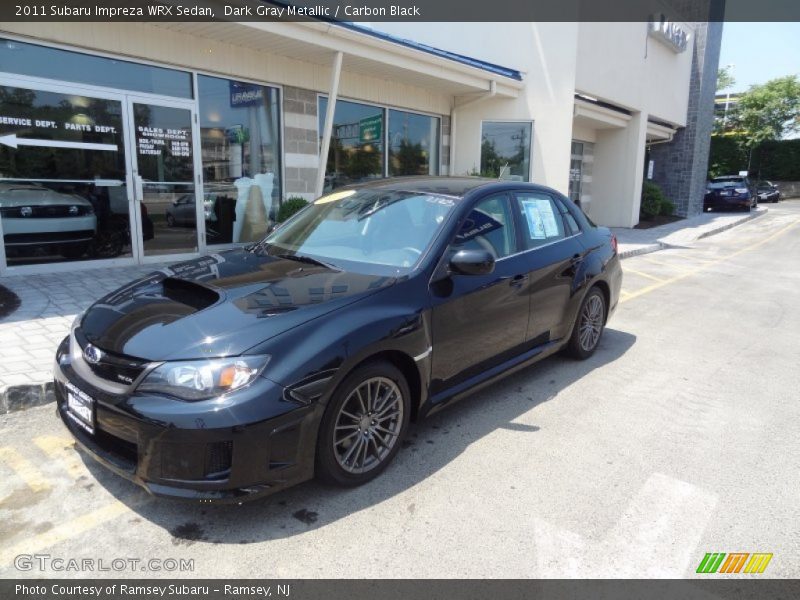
(29, 195)
(219, 305)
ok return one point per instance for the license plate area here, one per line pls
(81, 408)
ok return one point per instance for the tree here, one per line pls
(725, 79)
(766, 112)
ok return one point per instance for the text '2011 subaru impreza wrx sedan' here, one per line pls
(245, 372)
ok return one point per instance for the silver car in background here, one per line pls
(37, 218)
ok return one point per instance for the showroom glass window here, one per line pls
(65, 65)
(356, 152)
(62, 177)
(241, 153)
(413, 144)
(506, 150)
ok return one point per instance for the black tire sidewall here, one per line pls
(327, 467)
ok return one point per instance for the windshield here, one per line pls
(726, 182)
(349, 229)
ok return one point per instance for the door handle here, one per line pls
(576, 260)
(518, 280)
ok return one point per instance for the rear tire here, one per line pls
(364, 425)
(589, 325)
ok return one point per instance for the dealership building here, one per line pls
(129, 143)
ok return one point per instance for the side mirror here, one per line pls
(472, 262)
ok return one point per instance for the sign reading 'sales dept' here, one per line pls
(154, 141)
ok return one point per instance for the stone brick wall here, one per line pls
(681, 166)
(301, 142)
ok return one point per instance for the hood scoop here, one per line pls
(189, 293)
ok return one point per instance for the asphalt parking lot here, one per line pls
(678, 438)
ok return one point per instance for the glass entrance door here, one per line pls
(166, 207)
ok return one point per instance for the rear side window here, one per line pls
(489, 226)
(541, 219)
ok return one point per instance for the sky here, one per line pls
(760, 52)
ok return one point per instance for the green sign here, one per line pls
(369, 129)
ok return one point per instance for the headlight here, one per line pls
(203, 379)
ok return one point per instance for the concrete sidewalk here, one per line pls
(48, 305)
(680, 233)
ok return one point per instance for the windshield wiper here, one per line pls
(307, 259)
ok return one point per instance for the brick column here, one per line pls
(301, 142)
(681, 166)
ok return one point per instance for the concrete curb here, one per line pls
(661, 245)
(22, 397)
(750, 217)
(644, 250)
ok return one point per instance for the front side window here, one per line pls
(356, 149)
(506, 150)
(413, 144)
(240, 146)
(489, 226)
(541, 217)
(383, 231)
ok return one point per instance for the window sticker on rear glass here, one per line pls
(540, 218)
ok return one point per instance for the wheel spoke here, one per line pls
(356, 445)
(361, 400)
(349, 415)
(347, 437)
(387, 417)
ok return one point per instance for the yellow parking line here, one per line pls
(62, 449)
(685, 274)
(63, 532)
(664, 264)
(646, 275)
(25, 469)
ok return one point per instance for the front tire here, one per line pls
(364, 425)
(589, 325)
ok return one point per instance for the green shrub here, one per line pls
(667, 208)
(652, 199)
(289, 207)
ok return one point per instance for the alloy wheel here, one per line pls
(591, 324)
(368, 425)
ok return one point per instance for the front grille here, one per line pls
(218, 459)
(115, 368)
(45, 212)
(126, 453)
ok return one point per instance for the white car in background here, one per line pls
(35, 217)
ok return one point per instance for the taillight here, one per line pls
(614, 242)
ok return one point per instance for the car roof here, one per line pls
(457, 187)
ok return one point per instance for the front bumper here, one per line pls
(245, 445)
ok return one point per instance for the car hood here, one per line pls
(15, 197)
(219, 305)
